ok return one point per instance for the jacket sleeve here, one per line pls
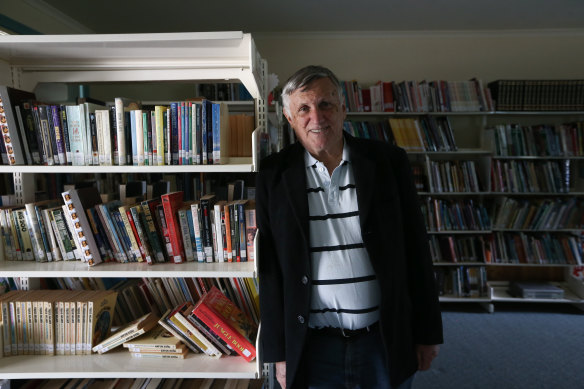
(426, 316)
(272, 340)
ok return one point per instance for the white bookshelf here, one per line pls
(197, 57)
(474, 144)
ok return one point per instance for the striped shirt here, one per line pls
(345, 292)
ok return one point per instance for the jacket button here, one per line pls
(304, 280)
(300, 319)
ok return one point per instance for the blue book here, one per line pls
(216, 128)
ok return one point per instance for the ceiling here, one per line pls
(129, 16)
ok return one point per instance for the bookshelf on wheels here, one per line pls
(469, 187)
(219, 57)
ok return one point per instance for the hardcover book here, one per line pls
(226, 320)
(77, 202)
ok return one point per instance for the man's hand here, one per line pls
(281, 373)
(426, 354)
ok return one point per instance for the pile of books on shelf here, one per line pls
(418, 96)
(447, 215)
(462, 281)
(538, 95)
(55, 322)
(538, 248)
(545, 140)
(454, 176)
(214, 326)
(455, 249)
(531, 176)
(165, 229)
(122, 133)
(137, 297)
(539, 215)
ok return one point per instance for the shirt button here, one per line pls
(300, 319)
(304, 280)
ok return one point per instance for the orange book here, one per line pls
(171, 202)
(227, 321)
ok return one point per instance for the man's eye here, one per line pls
(303, 109)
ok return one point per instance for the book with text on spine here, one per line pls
(77, 202)
(226, 320)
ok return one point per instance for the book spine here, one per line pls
(186, 235)
(170, 205)
(120, 131)
(59, 136)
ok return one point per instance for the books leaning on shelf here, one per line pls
(128, 332)
(123, 133)
(55, 322)
(228, 322)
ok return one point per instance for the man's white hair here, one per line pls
(305, 76)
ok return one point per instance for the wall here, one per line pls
(369, 57)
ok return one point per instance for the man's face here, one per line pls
(317, 116)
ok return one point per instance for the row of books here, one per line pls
(454, 176)
(378, 130)
(462, 281)
(537, 248)
(546, 214)
(446, 215)
(158, 230)
(55, 322)
(418, 96)
(455, 249)
(544, 140)
(538, 95)
(213, 325)
(143, 383)
(531, 176)
(181, 133)
(423, 134)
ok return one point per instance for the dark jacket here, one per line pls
(394, 234)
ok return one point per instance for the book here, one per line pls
(77, 201)
(13, 137)
(226, 320)
(156, 339)
(171, 202)
(130, 331)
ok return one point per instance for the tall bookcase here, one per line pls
(475, 144)
(26, 61)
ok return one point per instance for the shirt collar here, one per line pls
(310, 161)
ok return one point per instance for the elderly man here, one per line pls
(347, 290)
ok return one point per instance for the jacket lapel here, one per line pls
(364, 172)
(294, 177)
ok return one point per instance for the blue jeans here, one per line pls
(335, 362)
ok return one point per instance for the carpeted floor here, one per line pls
(517, 346)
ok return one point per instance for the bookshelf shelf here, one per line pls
(499, 292)
(460, 232)
(119, 364)
(135, 270)
(225, 168)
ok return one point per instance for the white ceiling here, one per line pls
(130, 16)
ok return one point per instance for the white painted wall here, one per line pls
(369, 57)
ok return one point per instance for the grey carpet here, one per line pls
(517, 346)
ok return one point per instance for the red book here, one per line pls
(226, 320)
(171, 202)
(387, 96)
